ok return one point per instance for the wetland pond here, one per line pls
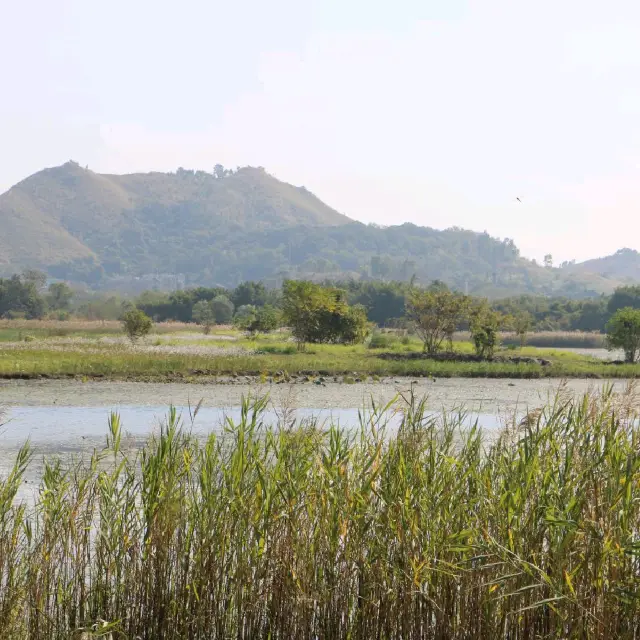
(69, 415)
(69, 418)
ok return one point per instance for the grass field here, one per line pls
(177, 351)
(288, 531)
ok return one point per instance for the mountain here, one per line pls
(143, 230)
(622, 265)
(68, 214)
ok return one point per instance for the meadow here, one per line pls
(428, 530)
(176, 351)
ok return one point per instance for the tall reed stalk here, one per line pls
(422, 530)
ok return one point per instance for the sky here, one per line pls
(439, 113)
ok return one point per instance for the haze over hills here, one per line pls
(227, 226)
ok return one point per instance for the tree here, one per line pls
(20, 298)
(352, 325)
(622, 297)
(60, 296)
(267, 319)
(204, 315)
(38, 278)
(623, 332)
(136, 324)
(548, 261)
(222, 309)
(249, 293)
(244, 316)
(436, 313)
(302, 305)
(321, 314)
(522, 325)
(484, 325)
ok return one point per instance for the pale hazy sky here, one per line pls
(435, 112)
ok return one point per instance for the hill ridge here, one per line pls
(226, 226)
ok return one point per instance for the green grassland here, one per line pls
(179, 352)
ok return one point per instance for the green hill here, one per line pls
(115, 231)
(624, 264)
(68, 214)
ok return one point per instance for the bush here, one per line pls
(267, 319)
(381, 340)
(262, 320)
(136, 324)
(274, 349)
(484, 327)
(321, 314)
(244, 316)
(204, 315)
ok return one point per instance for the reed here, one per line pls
(559, 339)
(408, 527)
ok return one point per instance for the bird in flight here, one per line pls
(520, 201)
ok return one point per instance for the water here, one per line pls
(598, 354)
(70, 415)
(68, 419)
(74, 428)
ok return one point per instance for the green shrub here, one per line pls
(136, 324)
(286, 350)
(381, 340)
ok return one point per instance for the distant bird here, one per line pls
(520, 201)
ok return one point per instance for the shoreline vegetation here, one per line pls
(422, 529)
(32, 349)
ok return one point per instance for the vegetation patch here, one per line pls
(455, 356)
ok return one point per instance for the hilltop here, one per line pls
(113, 231)
(69, 214)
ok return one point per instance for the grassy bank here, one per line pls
(173, 352)
(124, 363)
(272, 532)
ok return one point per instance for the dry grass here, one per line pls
(86, 326)
(422, 532)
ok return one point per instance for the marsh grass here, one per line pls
(11, 330)
(423, 530)
(559, 339)
(178, 353)
(126, 364)
(122, 362)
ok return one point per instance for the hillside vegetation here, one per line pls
(122, 232)
(623, 264)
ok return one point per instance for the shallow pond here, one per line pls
(69, 418)
(64, 415)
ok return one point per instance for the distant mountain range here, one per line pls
(122, 231)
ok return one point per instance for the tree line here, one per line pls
(29, 295)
